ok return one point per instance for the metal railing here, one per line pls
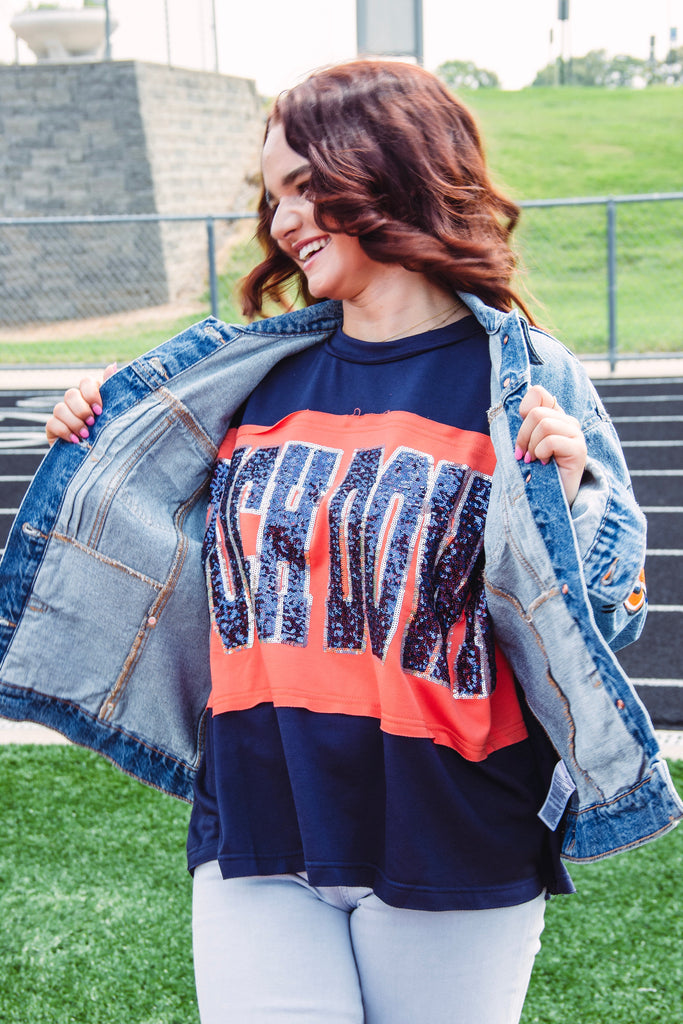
(606, 271)
(665, 234)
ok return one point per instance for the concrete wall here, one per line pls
(116, 138)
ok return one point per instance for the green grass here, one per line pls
(95, 910)
(552, 143)
(555, 143)
(611, 954)
(94, 895)
(542, 143)
(99, 349)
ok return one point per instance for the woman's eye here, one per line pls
(303, 187)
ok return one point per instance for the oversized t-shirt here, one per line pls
(363, 726)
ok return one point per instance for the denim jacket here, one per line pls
(104, 621)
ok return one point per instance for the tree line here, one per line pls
(595, 69)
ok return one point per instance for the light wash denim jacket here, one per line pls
(104, 621)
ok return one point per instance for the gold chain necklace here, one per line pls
(442, 319)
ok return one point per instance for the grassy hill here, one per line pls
(557, 143)
(548, 143)
(542, 143)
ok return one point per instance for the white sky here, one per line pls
(278, 41)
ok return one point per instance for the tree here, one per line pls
(622, 71)
(670, 71)
(464, 74)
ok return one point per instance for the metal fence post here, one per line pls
(213, 278)
(612, 280)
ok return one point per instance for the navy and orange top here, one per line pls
(363, 726)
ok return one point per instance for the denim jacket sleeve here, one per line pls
(556, 582)
(609, 526)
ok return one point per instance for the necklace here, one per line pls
(441, 318)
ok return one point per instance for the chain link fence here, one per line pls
(604, 274)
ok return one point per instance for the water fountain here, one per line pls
(58, 34)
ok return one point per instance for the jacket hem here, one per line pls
(137, 759)
(631, 819)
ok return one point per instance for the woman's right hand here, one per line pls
(71, 417)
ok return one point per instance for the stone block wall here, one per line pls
(116, 138)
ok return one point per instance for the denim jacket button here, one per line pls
(152, 621)
(506, 382)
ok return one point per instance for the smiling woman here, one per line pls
(435, 212)
(419, 551)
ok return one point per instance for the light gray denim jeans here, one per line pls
(276, 950)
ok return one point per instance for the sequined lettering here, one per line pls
(345, 623)
(281, 577)
(392, 523)
(388, 518)
(244, 484)
(451, 588)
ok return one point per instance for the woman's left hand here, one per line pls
(548, 432)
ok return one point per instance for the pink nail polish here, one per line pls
(518, 452)
(90, 421)
(74, 439)
(97, 409)
(84, 432)
(527, 458)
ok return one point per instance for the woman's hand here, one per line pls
(548, 432)
(71, 418)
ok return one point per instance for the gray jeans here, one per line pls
(276, 950)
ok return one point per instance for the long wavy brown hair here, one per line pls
(397, 161)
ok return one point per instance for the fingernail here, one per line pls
(97, 409)
(90, 421)
(74, 439)
(544, 462)
(527, 457)
(518, 452)
(84, 432)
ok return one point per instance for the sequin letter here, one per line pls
(450, 587)
(345, 630)
(243, 493)
(424, 643)
(392, 524)
(281, 583)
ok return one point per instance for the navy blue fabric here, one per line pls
(286, 789)
(345, 376)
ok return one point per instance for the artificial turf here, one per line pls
(95, 910)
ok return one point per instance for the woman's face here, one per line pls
(335, 265)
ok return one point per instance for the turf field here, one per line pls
(95, 910)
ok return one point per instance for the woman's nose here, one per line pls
(287, 218)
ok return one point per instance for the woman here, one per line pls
(378, 817)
